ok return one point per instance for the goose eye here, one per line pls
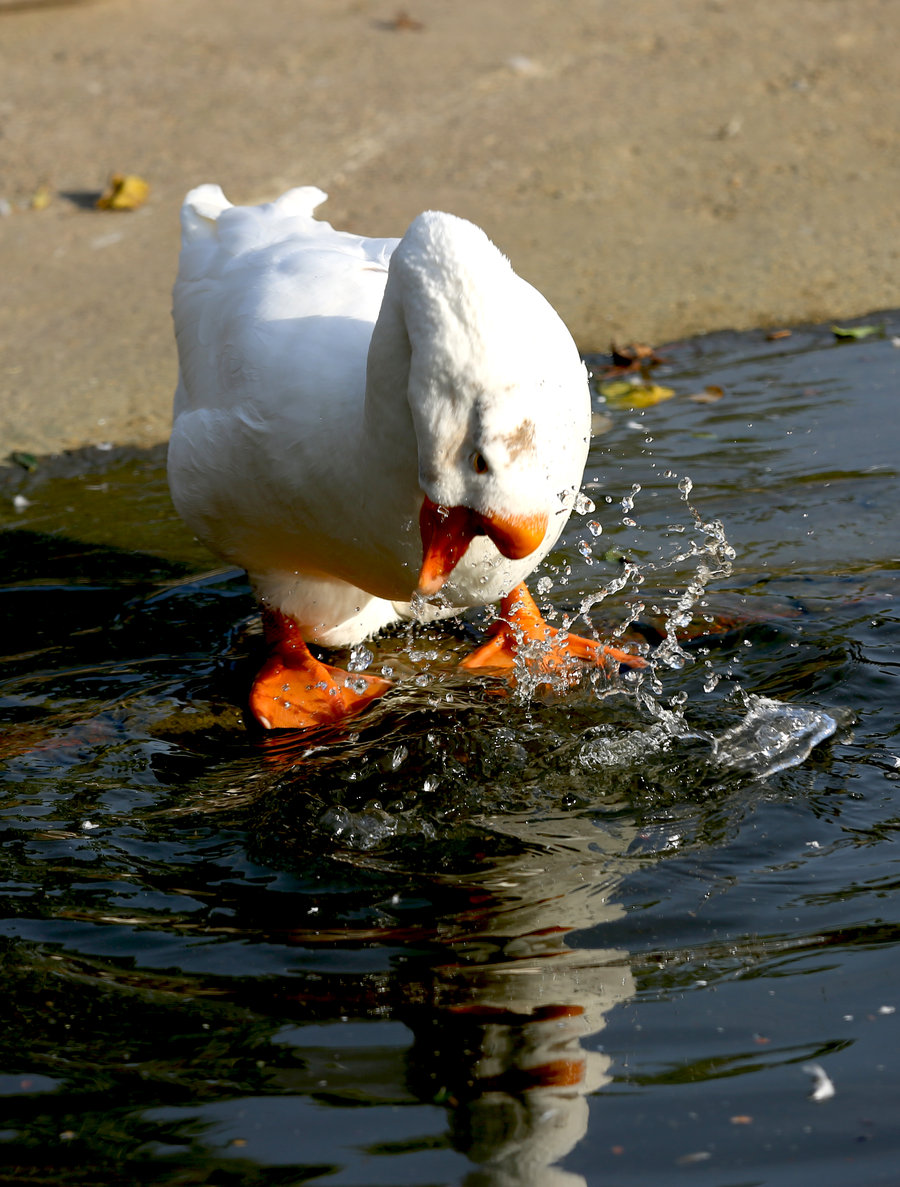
(479, 465)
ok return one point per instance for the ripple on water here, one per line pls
(497, 930)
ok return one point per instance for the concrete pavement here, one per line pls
(657, 169)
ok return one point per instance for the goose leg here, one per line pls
(521, 629)
(294, 690)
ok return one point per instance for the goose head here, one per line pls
(497, 394)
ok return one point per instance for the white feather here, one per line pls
(329, 381)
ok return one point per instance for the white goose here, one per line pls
(363, 424)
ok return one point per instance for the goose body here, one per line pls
(374, 429)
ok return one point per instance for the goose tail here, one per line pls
(201, 209)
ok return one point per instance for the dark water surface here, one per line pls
(481, 940)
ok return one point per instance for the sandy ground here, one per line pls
(657, 167)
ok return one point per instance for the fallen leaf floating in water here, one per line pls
(621, 393)
(634, 357)
(774, 335)
(711, 394)
(125, 191)
(854, 331)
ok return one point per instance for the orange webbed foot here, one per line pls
(294, 690)
(522, 632)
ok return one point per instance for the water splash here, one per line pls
(714, 558)
(707, 548)
(361, 657)
(768, 737)
(771, 737)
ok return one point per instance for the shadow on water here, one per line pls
(481, 939)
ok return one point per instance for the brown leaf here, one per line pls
(774, 335)
(711, 394)
(634, 356)
(633, 352)
(403, 22)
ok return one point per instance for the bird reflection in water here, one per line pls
(508, 1040)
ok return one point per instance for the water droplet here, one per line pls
(628, 500)
(360, 658)
(595, 527)
(582, 505)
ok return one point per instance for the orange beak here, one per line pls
(448, 531)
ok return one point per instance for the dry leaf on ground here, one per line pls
(125, 191)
